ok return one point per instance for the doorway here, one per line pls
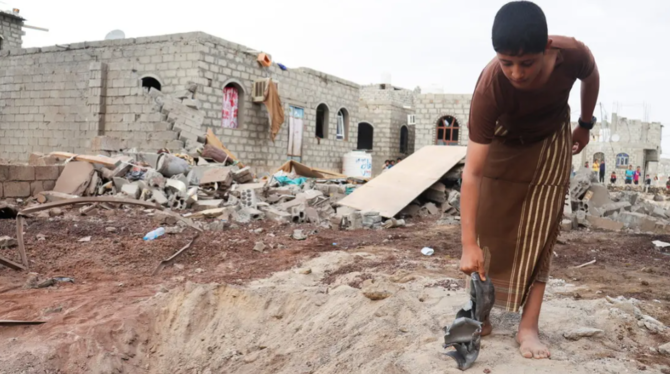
(295, 130)
(365, 136)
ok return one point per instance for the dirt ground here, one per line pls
(298, 306)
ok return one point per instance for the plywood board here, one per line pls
(394, 189)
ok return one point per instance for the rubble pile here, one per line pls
(593, 205)
(443, 198)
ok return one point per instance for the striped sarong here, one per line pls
(520, 210)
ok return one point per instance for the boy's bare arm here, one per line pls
(472, 258)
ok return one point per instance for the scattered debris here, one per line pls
(4, 322)
(154, 234)
(299, 235)
(7, 242)
(170, 259)
(427, 251)
(85, 239)
(660, 244)
(585, 264)
(259, 247)
(582, 332)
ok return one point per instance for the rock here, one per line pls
(258, 231)
(664, 349)
(376, 294)
(658, 212)
(430, 209)
(259, 247)
(455, 200)
(161, 217)
(658, 197)
(54, 212)
(299, 235)
(7, 242)
(40, 237)
(111, 229)
(582, 332)
(199, 271)
(312, 215)
(305, 271)
(653, 325)
(604, 223)
(566, 225)
(85, 239)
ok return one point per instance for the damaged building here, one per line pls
(150, 93)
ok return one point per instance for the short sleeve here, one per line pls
(585, 63)
(484, 114)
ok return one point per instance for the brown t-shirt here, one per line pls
(528, 116)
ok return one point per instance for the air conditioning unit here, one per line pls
(411, 119)
(258, 90)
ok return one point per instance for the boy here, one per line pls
(602, 171)
(629, 175)
(518, 160)
(613, 178)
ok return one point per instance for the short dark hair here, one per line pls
(520, 27)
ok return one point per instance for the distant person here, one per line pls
(630, 173)
(398, 160)
(391, 163)
(595, 168)
(602, 171)
(613, 178)
(667, 184)
(636, 176)
(586, 165)
(387, 163)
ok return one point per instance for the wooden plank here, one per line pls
(309, 172)
(213, 140)
(393, 190)
(102, 160)
(206, 213)
(20, 220)
(4, 322)
(11, 264)
(168, 260)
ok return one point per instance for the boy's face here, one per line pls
(522, 70)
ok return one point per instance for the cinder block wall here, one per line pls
(431, 107)
(222, 63)
(10, 31)
(21, 181)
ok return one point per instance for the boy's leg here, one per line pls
(528, 336)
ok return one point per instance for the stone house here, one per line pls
(622, 142)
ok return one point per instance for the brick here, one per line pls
(21, 173)
(36, 187)
(106, 143)
(43, 173)
(16, 189)
(48, 185)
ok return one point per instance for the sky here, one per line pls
(434, 44)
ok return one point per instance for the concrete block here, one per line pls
(276, 215)
(4, 173)
(16, 189)
(604, 223)
(106, 143)
(201, 205)
(48, 185)
(638, 221)
(566, 225)
(132, 190)
(159, 197)
(371, 219)
(21, 173)
(46, 173)
(192, 103)
(36, 187)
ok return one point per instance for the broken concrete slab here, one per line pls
(600, 196)
(159, 197)
(276, 215)
(243, 175)
(393, 190)
(637, 221)
(75, 178)
(201, 205)
(604, 223)
(132, 190)
(566, 225)
(371, 219)
(119, 183)
(582, 332)
(431, 209)
(7, 242)
(312, 215)
(222, 175)
(619, 207)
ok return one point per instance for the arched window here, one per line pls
(342, 124)
(233, 104)
(598, 156)
(447, 131)
(321, 121)
(150, 82)
(622, 161)
(404, 139)
(365, 135)
(2, 39)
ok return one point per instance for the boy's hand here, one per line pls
(472, 260)
(580, 138)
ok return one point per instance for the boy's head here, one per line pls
(630, 167)
(520, 38)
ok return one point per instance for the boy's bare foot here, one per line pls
(530, 345)
(487, 328)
